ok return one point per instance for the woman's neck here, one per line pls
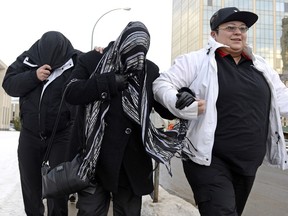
(235, 55)
(236, 58)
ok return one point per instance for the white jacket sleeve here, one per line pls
(281, 94)
(166, 86)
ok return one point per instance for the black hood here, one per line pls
(53, 48)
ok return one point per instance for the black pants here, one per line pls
(31, 151)
(125, 202)
(217, 189)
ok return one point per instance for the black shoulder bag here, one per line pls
(63, 179)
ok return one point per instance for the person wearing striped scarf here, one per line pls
(115, 91)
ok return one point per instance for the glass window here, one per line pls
(210, 2)
(280, 6)
(285, 7)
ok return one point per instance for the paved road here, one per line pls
(269, 196)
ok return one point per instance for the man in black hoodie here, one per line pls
(37, 77)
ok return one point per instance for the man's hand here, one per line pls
(43, 72)
(121, 81)
(185, 99)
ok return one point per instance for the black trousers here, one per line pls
(125, 202)
(217, 189)
(31, 151)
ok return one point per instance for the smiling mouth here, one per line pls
(236, 39)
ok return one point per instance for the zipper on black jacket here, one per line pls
(39, 116)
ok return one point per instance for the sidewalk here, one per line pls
(11, 200)
(167, 205)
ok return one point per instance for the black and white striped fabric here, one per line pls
(127, 56)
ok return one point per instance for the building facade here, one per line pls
(191, 28)
(5, 102)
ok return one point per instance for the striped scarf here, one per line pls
(127, 56)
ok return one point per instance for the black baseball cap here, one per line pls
(232, 14)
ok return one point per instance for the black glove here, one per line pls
(185, 99)
(121, 81)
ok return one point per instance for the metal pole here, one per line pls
(127, 9)
(156, 183)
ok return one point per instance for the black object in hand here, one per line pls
(121, 81)
(185, 99)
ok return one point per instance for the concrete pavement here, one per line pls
(167, 205)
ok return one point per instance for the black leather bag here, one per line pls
(63, 179)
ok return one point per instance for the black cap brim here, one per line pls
(244, 16)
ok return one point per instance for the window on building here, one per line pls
(278, 63)
(210, 2)
(280, 6)
(285, 7)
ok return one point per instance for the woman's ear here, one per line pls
(213, 34)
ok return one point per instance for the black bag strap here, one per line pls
(46, 156)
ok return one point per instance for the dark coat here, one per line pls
(21, 81)
(122, 145)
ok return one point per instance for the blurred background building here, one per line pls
(9, 106)
(5, 102)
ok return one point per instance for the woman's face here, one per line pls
(232, 34)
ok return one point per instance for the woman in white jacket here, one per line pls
(234, 124)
